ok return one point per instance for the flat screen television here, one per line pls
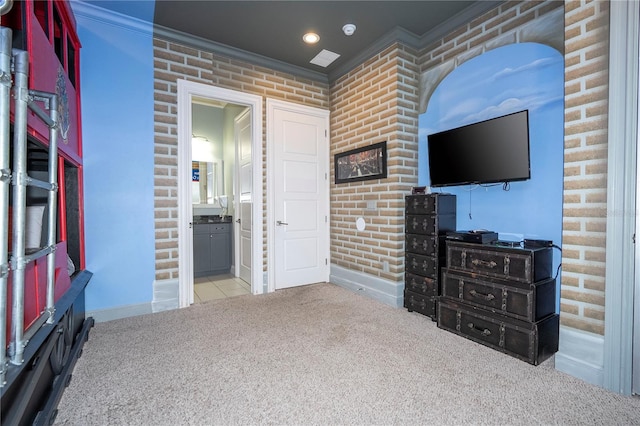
(491, 151)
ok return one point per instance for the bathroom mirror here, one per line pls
(206, 183)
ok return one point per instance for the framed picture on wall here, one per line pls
(369, 162)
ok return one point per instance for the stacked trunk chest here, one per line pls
(427, 219)
(502, 297)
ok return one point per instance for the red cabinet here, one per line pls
(46, 30)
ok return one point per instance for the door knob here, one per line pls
(238, 220)
(280, 223)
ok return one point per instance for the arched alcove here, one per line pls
(507, 79)
(547, 30)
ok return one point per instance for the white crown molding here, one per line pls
(465, 16)
(200, 43)
(409, 39)
(84, 10)
(397, 35)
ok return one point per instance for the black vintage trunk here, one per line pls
(524, 301)
(427, 219)
(532, 342)
(501, 297)
(516, 264)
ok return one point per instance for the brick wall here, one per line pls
(172, 62)
(585, 169)
(375, 102)
(586, 48)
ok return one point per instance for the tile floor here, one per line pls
(218, 287)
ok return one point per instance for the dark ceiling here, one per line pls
(274, 29)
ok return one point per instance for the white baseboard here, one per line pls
(581, 355)
(104, 315)
(385, 291)
(166, 295)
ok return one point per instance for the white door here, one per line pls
(300, 211)
(244, 191)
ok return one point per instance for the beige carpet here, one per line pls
(321, 355)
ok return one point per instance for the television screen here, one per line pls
(491, 151)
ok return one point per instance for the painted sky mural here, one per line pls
(501, 81)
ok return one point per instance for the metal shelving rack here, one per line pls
(16, 62)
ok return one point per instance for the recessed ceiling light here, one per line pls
(311, 38)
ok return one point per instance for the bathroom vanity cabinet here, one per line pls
(211, 249)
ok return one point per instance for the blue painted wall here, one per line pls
(505, 80)
(116, 65)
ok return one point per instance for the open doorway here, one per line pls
(225, 185)
(221, 236)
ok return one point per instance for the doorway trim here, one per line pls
(272, 105)
(187, 91)
(622, 258)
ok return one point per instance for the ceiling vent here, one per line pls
(324, 58)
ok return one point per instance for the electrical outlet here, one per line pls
(385, 266)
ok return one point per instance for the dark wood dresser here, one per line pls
(427, 218)
(502, 297)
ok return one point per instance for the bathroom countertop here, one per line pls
(198, 220)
